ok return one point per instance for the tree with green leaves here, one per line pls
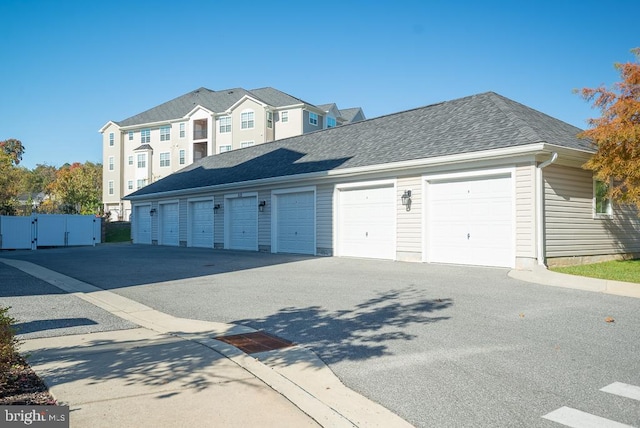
(616, 133)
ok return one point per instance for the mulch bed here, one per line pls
(21, 386)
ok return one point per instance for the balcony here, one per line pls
(200, 129)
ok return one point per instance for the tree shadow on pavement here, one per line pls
(162, 367)
(356, 334)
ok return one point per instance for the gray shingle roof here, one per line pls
(479, 122)
(349, 114)
(276, 98)
(216, 101)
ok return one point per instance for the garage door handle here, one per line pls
(468, 235)
(366, 234)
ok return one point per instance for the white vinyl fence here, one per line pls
(48, 230)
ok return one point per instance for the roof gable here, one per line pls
(477, 123)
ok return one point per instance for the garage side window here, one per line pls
(601, 202)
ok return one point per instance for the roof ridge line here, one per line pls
(523, 128)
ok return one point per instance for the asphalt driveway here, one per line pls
(439, 345)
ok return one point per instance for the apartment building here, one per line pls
(151, 145)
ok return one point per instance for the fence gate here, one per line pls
(49, 230)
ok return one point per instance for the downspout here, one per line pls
(540, 210)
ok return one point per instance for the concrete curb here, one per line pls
(542, 275)
(296, 373)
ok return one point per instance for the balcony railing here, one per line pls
(200, 134)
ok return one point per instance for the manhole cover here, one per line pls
(258, 341)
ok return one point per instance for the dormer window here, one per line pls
(331, 122)
(313, 118)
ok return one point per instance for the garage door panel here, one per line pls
(367, 223)
(201, 232)
(470, 221)
(169, 224)
(243, 223)
(142, 221)
(295, 224)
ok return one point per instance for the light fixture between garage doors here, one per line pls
(216, 207)
(152, 212)
(406, 199)
(261, 206)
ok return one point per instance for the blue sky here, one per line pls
(68, 67)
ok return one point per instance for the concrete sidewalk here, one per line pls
(172, 372)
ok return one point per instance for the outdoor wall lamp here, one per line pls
(406, 199)
(216, 207)
(261, 206)
(152, 212)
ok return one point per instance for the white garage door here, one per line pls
(366, 223)
(201, 224)
(295, 225)
(242, 221)
(169, 224)
(471, 221)
(142, 224)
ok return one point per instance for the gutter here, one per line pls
(539, 208)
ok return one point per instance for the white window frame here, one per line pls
(140, 183)
(244, 144)
(142, 160)
(284, 116)
(247, 119)
(313, 118)
(130, 184)
(331, 122)
(130, 160)
(224, 124)
(165, 133)
(608, 211)
(112, 163)
(269, 120)
(110, 187)
(145, 136)
(111, 139)
(225, 148)
(130, 135)
(165, 159)
(182, 156)
(183, 132)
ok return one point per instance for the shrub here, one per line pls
(8, 342)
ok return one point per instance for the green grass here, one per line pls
(117, 234)
(617, 270)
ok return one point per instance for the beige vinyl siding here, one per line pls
(182, 222)
(324, 219)
(570, 226)
(525, 210)
(218, 222)
(264, 221)
(409, 223)
(115, 175)
(154, 222)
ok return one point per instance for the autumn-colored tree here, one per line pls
(78, 187)
(616, 134)
(13, 148)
